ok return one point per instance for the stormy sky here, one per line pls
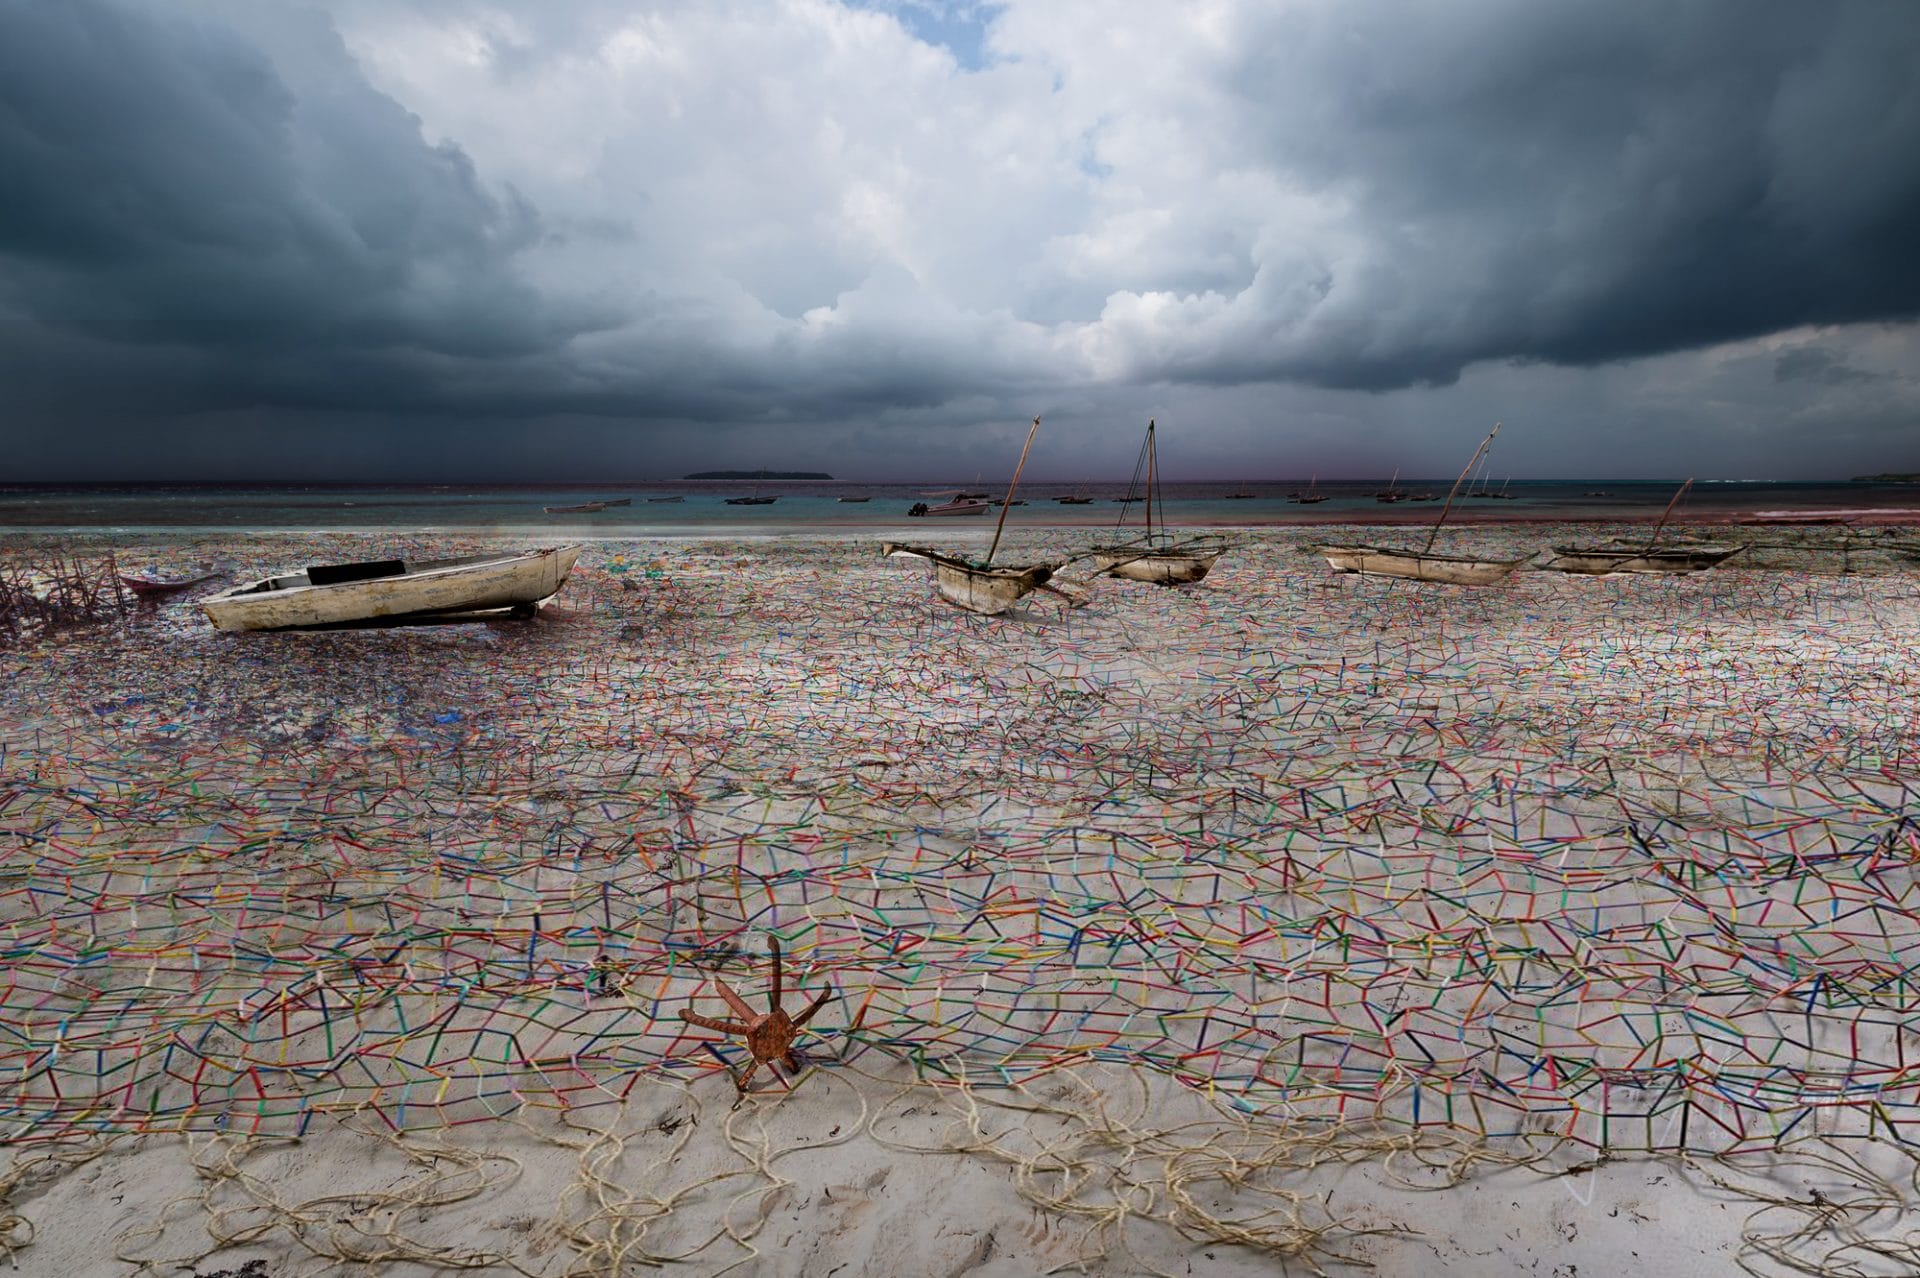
(451, 240)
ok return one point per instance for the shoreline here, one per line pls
(1844, 519)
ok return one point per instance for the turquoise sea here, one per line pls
(699, 508)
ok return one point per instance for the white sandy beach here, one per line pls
(1292, 920)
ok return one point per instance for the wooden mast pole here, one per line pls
(1667, 513)
(1484, 444)
(1011, 490)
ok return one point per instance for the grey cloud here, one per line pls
(1578, 183)
(1811, 364)
(161, 181)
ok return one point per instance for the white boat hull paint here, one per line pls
(1160, 568)
(989, 591)
(1376, 561)
(477, 583)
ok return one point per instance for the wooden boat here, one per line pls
(675, 497)
(618, 501)
(337, 594)
(1647, 557)
(979, 588)
(982, 587)
(755, 499)
(584, 508)
(1424, 564)
(1593, 560)
(1392, 492)
(1157, 558)
(1420, 565)
(148, 588)
(1311, 496)
(852, 499)
(1074, 501)
(1239, 496)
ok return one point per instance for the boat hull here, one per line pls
(988, 591)
(1376, 561)
(1600, 560)
(478, 583)
(1160, 569)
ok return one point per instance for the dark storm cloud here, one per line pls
(161, 182)
(746, 214)
(1579, 183)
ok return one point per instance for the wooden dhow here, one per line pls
(981, 587)
(1424, 564)
(1595, 561)
(1418, 565)
(1157, 557)
(345, 594)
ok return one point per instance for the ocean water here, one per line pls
(803, 506)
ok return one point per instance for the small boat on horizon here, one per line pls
(395, 589)
(751, 501)
(955, 505)
(1311, 496)
(675, 497)
(853, 499)
(584, 508)
(618, 501)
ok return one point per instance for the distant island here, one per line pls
(1890, 477)
(758, 474)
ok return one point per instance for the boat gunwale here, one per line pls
(441, 567)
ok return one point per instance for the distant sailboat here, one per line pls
(1312, 495)
(756, 499)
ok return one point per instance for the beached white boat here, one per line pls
(336, 594)
(981, 587)
(1157, 557)
(1418, 565)
(977, 587)
(1423, 564)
